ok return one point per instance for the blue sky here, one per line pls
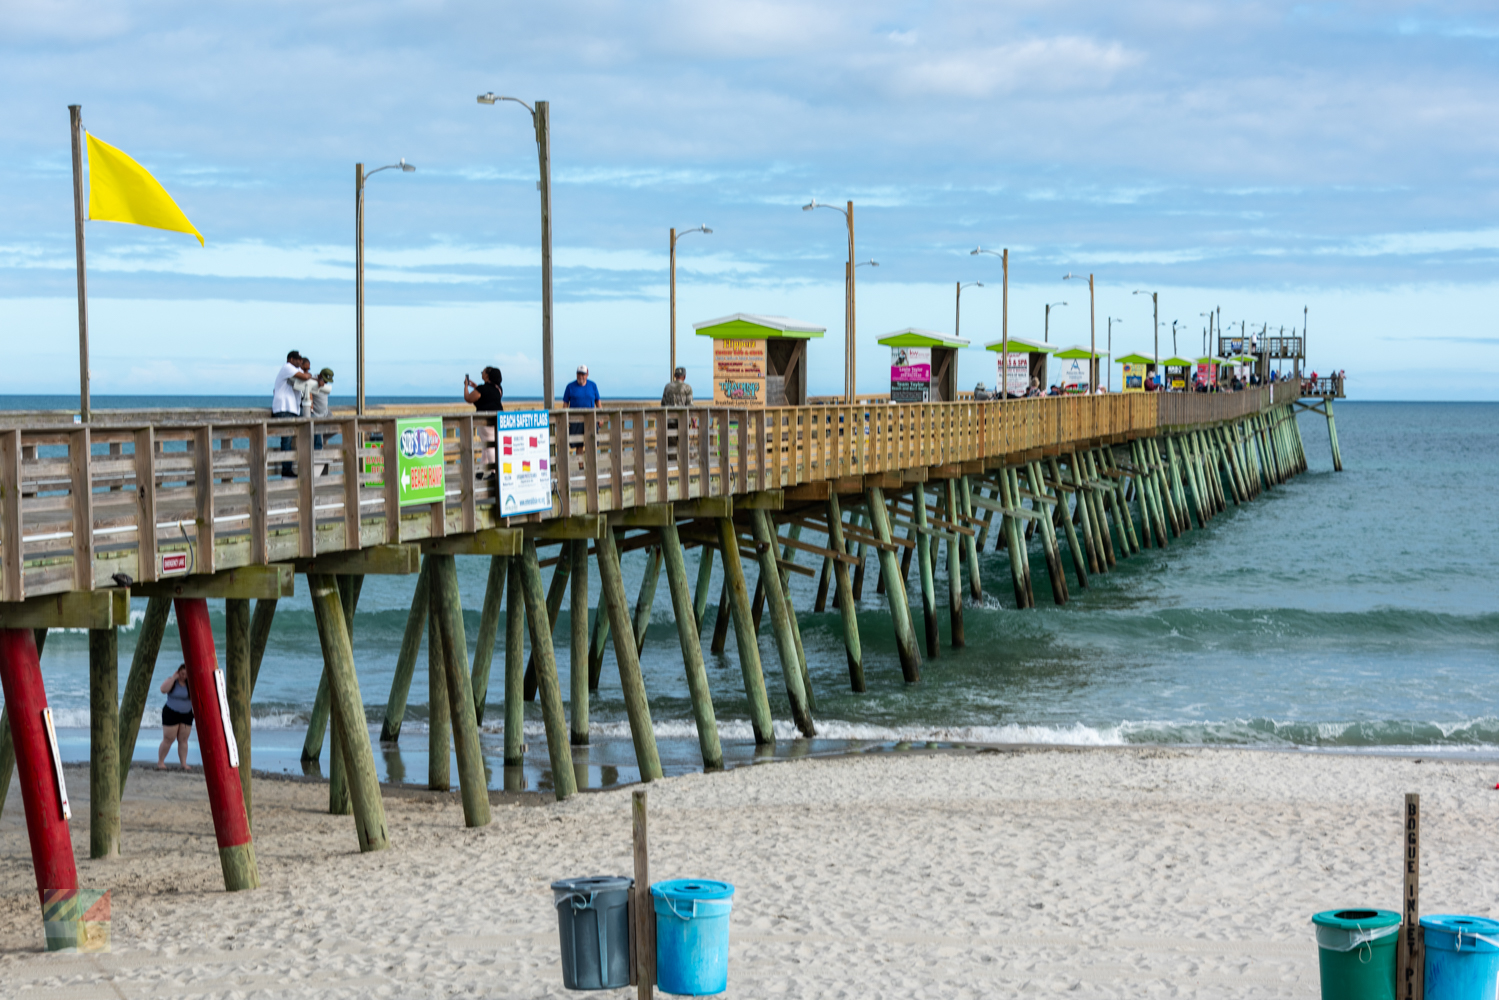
(1255, 156)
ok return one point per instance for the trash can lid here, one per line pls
(692, 888)
(593, 883)
(1357, 918)
(1466, 926)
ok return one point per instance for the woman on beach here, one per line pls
(176, 718)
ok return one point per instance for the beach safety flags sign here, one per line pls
(121, 190)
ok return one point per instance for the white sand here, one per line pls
(1117, 873)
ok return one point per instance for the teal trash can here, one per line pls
(692, 936)
(1356, 953)
(1462, 957)
(593, 923)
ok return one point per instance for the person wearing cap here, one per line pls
(677, 391)
(321, 390)
(580, 395)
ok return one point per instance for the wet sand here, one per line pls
(1109, 873)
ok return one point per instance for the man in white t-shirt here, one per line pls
(286, 402)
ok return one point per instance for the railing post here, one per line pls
(259, 488)
(82, 500)
(11, 538)
(349, 432)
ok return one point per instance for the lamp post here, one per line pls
(1110, 348)
(850, 381)
(957, 318)
(541, 122)
(1207, 331)
(1004, 317)
(360, 177)
(1092, 328)
(674, 235)
(1046, 335)
(1173, 337)
(1155, 308)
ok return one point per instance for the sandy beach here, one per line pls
(1109, 873)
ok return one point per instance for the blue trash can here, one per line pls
(593, 922)
(1462, 957)
(692, 936)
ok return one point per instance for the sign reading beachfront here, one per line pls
(523, 454)
(1019, 370)
(739, 372)
(910, 374)
(419, 458)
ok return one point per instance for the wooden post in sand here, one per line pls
(489, 627)
(924, 571)
(1410, 955)
(515, 668)
(578, 676)
(104, 742)
(632, 685)
(846, 605)
(237, 678)
(556, 590)
(744, 633)
(343, 687)
(643, 938)
(692, 647)
(411, 646)
(138, 683)
(775, 599)
(439, 735)
(895, 591)
(564, 780)
(225, 799)
(447, 608)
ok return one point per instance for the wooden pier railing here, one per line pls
(82, 503)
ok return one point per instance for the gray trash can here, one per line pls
(593, 923)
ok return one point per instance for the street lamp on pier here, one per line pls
(1004, 317)
(1046, 333)
(957, 319)
(360, 177)
(674, 237)
(1155, 308)
(541, 122)
(850, 358)
(1109, 347)
(1092, 327)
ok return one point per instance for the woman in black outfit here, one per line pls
(487, 396)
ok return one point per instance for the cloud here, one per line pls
(1037, 65)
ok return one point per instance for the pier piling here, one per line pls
(895, 591)
(737, 592)
(104, 742)
(137, 684)
(577, 664)
(447, 608)
(692, 649)
(515, 666)
(780, 611)
(847, 608)
(926, 572)
(411, 645)
(626, 656)
(564, 780)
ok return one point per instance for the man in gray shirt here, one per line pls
(677, 391)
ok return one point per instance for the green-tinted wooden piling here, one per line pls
(359, 758)
(970, 542)
(137, 684)
(577, 663)
(104, 742)
(647, 599)
(339, 802)
(1113, 533)
(925, 571)
(439, 715)
(1084, 512)
(632, 684)
(1148, 535)
(788, 554)
(858, 521)
(1014, 542)
(260, 635)
(775, 600)
(847, 608)
(895, 592)
(447, 608)
(489, 630)
(737, 592)
(692, 648)
(824, 583)
(564, 779)
(237, 689)
(411, 647)
(1115, 479)
(598, 640)
(721, 622)
(954, 567)
(704, 587)
(1078, 556)
(515, 667)
(1054, 572)
(1332, 436)
(1027, 527)
(556, 591)
(317, 722)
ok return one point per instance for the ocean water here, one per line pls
(1350, 611)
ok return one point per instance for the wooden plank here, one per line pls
(349, 433)
(639, 451)
(12, 581)
(797, 543)
(654, 515)
(485, 542)
(469, 515)
(704, 507)
(883, 480)
(247, 582)
(590, 464)
(915, 475)
(793, 567)
(81, 495)
(1410, 953)
(390, 486)
(846, 484)
(259, 492)
(72, 609)
(306, 516)
(808, 491)
(376, 560)
(763, 500)
(577, 526)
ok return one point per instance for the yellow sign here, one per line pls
(739, 372)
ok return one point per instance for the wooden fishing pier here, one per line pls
(189, 510)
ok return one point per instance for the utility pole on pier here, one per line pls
(75, 114)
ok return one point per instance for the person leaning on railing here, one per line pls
(487, 396)
(676, 393)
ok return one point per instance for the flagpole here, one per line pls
(75, 114)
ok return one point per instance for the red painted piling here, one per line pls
(225, 795)
(46, 822)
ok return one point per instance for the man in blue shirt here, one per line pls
(580, 395)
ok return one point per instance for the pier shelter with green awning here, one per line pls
(1138, 370)
(1027, 361)
(759, 360)
(923, 365)
(1079, 373)
(1178, 373)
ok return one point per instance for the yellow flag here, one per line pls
(121, 190)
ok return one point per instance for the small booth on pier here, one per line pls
(923, 366)
(1139, 369)
(1209, 370)
(1178, 374)
(1079, 369)
(759, 360)
(1027, 360)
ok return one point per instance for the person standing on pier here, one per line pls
(176, 718)
(286, 401)
(676, 393)
(487, 396)
(580, 395)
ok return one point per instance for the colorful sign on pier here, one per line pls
(419, 457)
(523, 446)
(739, 372)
